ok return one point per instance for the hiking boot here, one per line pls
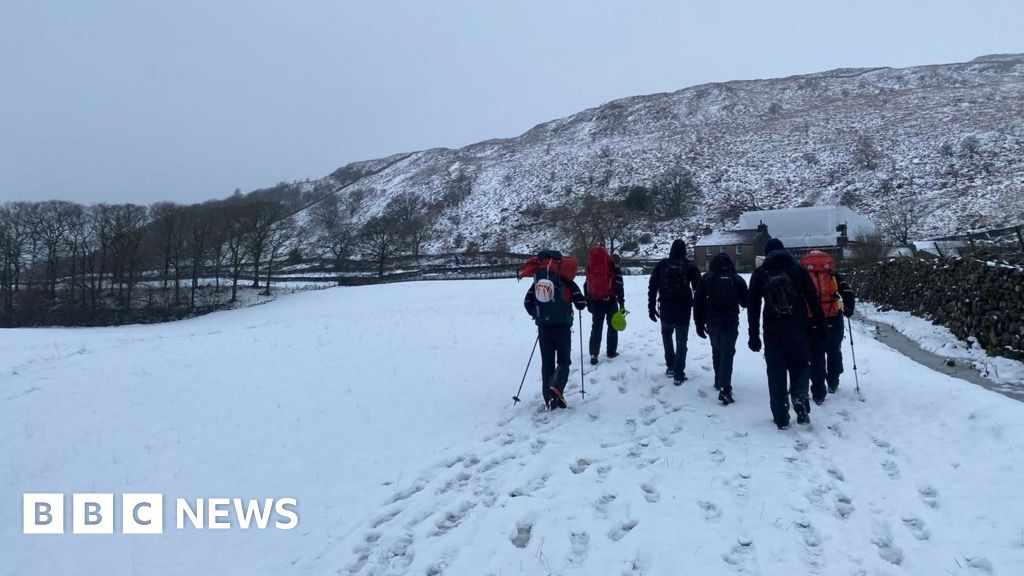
(678, 382)
(819, 401)
(593, 359)
(669, 372)
(557, 399)
(613, 354)
(725, 398)
(718, 386)
(833, 387)
(782, 426)
(802, 409)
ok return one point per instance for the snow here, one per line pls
(939, 340)
(386, 412)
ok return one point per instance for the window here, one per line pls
(708, 251)
(739, 250)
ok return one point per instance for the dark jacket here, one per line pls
(674, 311)
(704, 311)
(805, 290)
(620, 289)
(578, 300)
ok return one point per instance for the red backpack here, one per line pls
(549, 260)
(822, 269)
(600, 275)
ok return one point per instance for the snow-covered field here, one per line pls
(386, 412)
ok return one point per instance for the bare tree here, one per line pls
(677, 193)
(281, 233)
(234, 219)
(865, 153)
(413, 218)
(332, 230)
(868, 248)
(899, 220)
(380, 240)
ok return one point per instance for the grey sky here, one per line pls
(140, 100)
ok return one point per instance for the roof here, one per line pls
(812, 222)
(728, 238)
(808, 240)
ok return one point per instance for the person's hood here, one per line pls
(721, 263)
(678, 250)
(773, 245)
(780, 258)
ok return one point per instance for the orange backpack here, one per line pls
(822, 269)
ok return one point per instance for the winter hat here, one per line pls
(773, 245)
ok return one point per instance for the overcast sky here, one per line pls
(139, 100)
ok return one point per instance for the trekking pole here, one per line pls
(528, 362)
(853, 354)
(583, 389)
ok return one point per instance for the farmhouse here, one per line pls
(831, 229)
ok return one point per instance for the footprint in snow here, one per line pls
(711, 511)
(884, 444)
(521, 538)
(844, 506)
(601, 504)
(929, 495)
(651, 493)
(887, 548)
(836, 473)
(717, 456)
(580, 544)
(537, 445)
(602, 471)
(579, 466)
(891, 468)
(452, 519)
(740, 555)
(916, 527)
(620, 530)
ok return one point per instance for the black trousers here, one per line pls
(827, 358)
(723, 350)
(787, 355)
(601, 313)
(675, 356)
(555, 357)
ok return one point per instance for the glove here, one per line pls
(580, 305)
(653, 314)
(754, 344)
(701, 332)
(848, 311)
(590, 306)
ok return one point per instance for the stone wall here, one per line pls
(970, 297)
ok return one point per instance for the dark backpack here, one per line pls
(780, 297)
(674, 284)
(724, 297)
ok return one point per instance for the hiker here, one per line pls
(716, 312)
(837, 300)
(788, 293)
(672, 284)
(549, 302)
(603, 290)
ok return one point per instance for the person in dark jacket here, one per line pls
(788, 293)
(601, 312)
(827, 356)
(670, 297)
(554, 335)
(716, 312)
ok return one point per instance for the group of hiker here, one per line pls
(799, 305)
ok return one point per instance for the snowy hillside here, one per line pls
(394, 429)
(946, 139)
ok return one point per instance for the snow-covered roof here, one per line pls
(728, 238)
(809, 226)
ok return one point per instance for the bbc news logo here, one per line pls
(144, 513)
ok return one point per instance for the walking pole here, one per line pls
(583, 389)
(853, 354)
(530, 361)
